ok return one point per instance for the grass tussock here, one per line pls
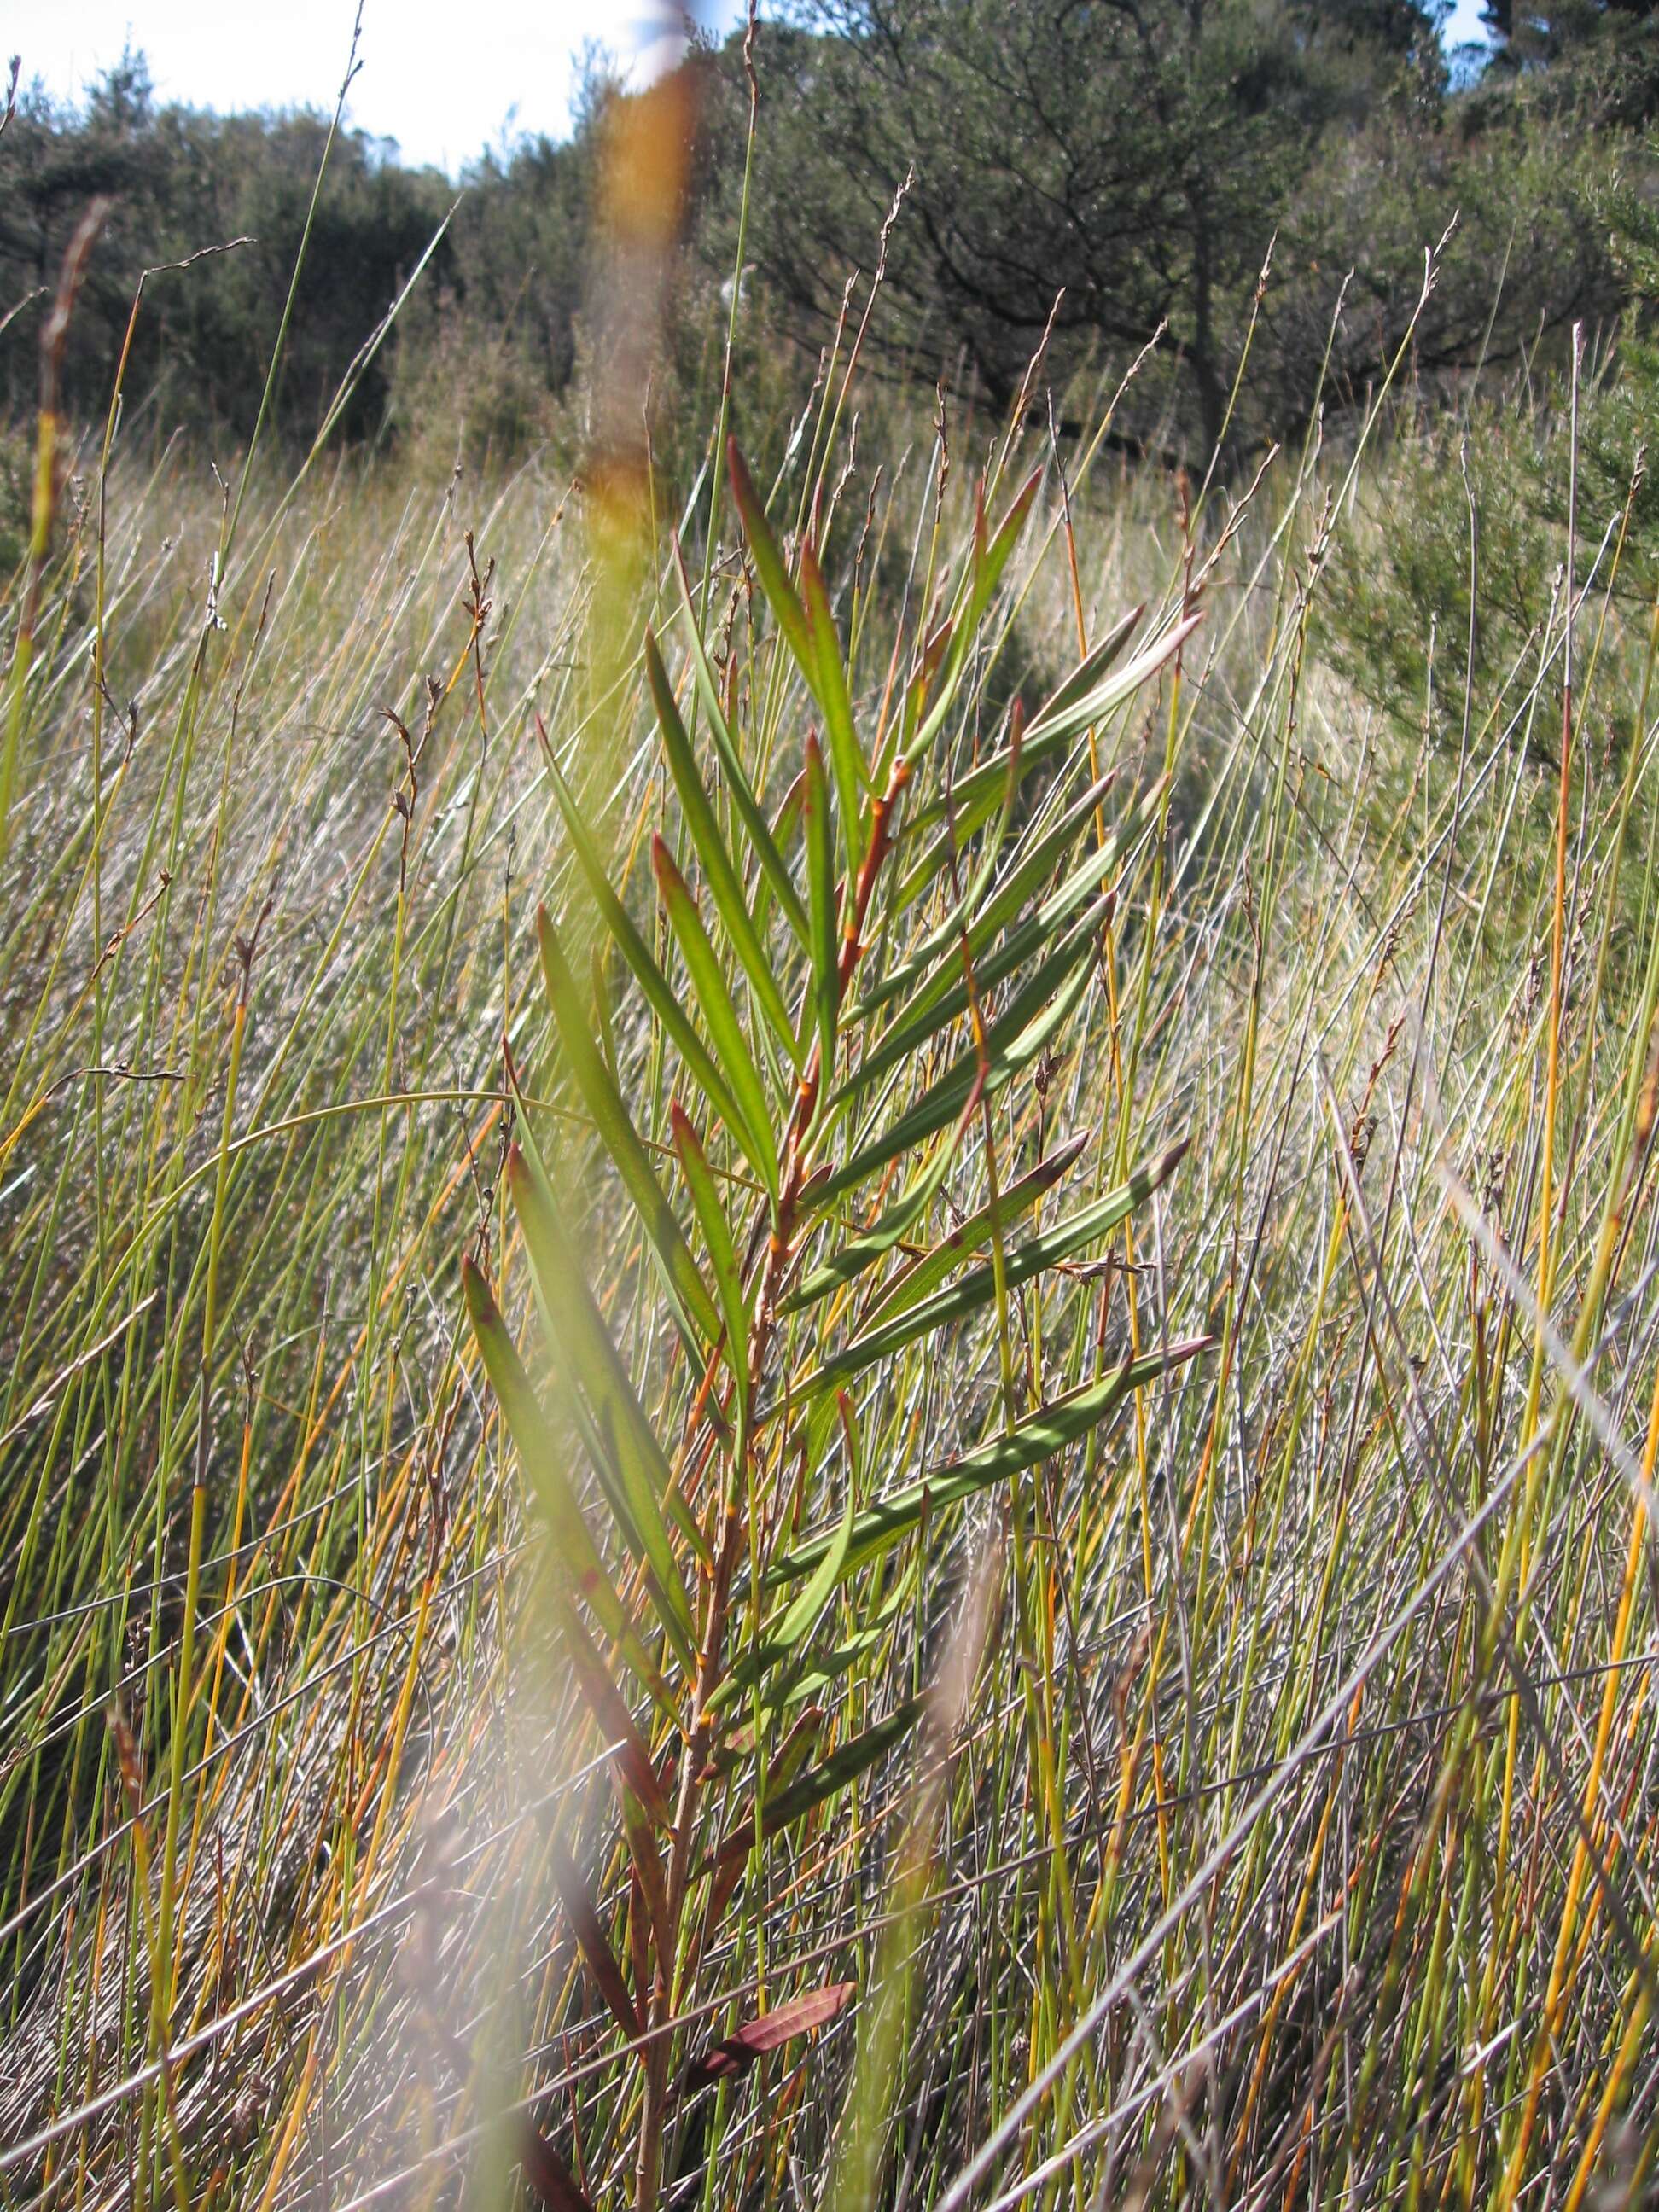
(1244, 1799)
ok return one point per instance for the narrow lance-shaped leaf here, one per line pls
(1029, 872)
(717, 1241)
(1094, 666)
(1034, 860)
(782, 1639)
(1030, 868)
(969, 790)
(768, 557)
(863, 1253)
(802, 1616)
(616, 1133)
(947, 848)
(542, 1461)
(660, 992)
(944, 996)
(591, 1357)
(926, 1271)
(1036, 1438)
(788, 816)
(834, 698)
(825, 1670)
(736, 2053)
(599, 999)
(599, 1336)
(930, 1014)
(744, 796)
(821, 905)
(991, 558)
(1059, 722)
(924, 669)
(987, 567)
(977, 1288)
(724, 885)
(591, 1938)
(1015, 1040)
(714, 1002)
(898, 1221)
(821, 1783)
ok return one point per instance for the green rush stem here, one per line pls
(183, 1682)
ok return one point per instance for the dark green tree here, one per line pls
(54, 162)
(1599, 57)
(1132, 157)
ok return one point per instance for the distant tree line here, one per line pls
(1129, 160)
(1137, 157)
(180, 178)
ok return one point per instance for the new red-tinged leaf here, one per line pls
(736, 2053)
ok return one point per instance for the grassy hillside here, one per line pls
(1276, 1826)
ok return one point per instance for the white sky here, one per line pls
(1465, 23)
(440, 76)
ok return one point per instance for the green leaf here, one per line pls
(990, 560)
(825, 1671)
(818, 1671)
(802, 1616)
(542, 1458)
(744, 797)
(932, 1010)
(660, 992)
(600, 1094)
(626, 1435)
(978, 1288)
(1034, 861)
(782, 1638)
(984, 573)
(768, 557)
(593, 1439)
(1037, 1438)
(714, 1002)
(833, 696)
(1029, 870)
(788, 817)
(821, 1783)
(971, 789)
(725, 886)
(924, 1273)
(821, 906)
(924, 668)
(865, 1250)
(1093, 666)
(717, 1241)
(1020, 1035)
(944, 996)
(1076, 705)
(898, 1221)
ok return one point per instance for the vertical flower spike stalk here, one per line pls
(645, 155)
(722, 1552)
